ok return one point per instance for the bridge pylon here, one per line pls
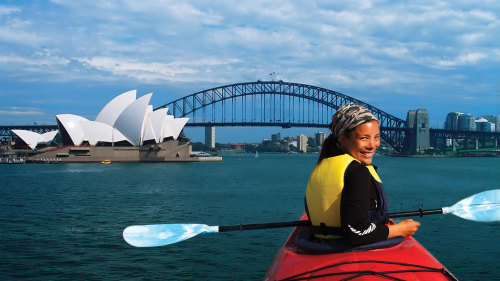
(417, 135)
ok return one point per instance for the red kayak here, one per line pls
(408, 260)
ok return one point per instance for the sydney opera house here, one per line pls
(126, 129)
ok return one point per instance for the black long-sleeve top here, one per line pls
(359, 196)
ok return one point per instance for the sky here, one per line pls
(66, 56)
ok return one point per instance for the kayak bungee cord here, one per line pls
(356, 274)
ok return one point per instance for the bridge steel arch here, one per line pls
(276, 103)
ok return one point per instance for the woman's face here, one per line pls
(362, 142)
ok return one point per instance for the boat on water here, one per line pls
(106, 161)
(201, 154)
(407, 260)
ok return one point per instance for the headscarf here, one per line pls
(348, 117)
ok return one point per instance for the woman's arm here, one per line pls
(355, 205)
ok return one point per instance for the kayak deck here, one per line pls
(408, 260)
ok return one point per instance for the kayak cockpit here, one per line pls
(309, 244)
(406, 259)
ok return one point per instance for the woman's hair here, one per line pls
(331, 147)
(343, 122)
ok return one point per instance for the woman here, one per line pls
(345, 197)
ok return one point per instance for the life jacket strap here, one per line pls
(322, 229)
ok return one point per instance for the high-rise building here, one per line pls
(419, 137)
(484, 125)
(302, 142)
(276, 137)
(320, 137)
(451, 122)
(495, 120)
(210, 136)
(466, 122)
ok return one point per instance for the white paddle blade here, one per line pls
(484, 207)
(163, 234)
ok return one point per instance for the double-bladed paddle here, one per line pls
(483, 207)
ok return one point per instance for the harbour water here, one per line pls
(65, 221)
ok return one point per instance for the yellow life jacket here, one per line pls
(324, 191)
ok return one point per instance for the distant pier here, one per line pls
(12, 160)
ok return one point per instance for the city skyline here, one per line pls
(70, 57)
(232, 134)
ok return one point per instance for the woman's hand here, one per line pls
(403, 228)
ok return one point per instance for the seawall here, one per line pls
(169, 151)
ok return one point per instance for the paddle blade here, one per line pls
(163, 234)
(484, 207)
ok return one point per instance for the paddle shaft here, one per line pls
(263, 225)
(240, 227)
(419, 213)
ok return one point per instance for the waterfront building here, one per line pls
(126, 129)
(289, 140)
(451, 122)
(320, 137)
(210, 136)
(483, 125)
(124, 121)
(238, 146)
(276, 137)
(495, 120)
(466, 122)
(302, 143)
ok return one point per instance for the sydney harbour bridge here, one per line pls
(275, 103)
(283, 104)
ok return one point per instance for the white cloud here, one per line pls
(482, 15)
(471, 38)
(465, 59)
(43, 58)
(21, 111)
(17, 31)
(178, 70)
(340, 78)
(396, 52)
(368, 45)
(471, 58)
(6, 10)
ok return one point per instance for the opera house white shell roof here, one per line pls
(32, 139)
(124, 118)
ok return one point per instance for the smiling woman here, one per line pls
(345, 198)
(362, 142)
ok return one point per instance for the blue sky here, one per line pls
(67, 56)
